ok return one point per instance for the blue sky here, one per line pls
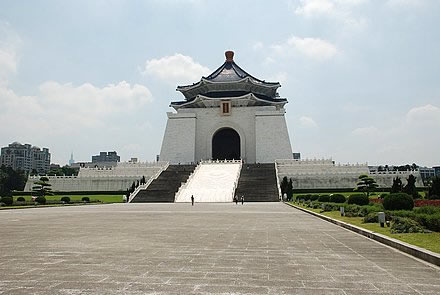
(361, 76)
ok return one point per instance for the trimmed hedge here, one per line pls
(400, 201)
(7, 201)
(85, 199)
(337, 198)
(358, 199)
(314, 198)
(324, 198)
(21, 199)
(40, 200)
(405, 225)
(65, 200)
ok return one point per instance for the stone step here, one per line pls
(258, 183)
(164, 188)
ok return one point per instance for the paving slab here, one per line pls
(209, 248)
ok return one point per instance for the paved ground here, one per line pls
(209, 248)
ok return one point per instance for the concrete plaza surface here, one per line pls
(211, 248)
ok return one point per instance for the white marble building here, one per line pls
(227, 115)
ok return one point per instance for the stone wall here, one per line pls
(117, 178)
(321, 174)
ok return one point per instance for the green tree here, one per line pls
(366, 184)
(42, 187)
(397, 185)
(11, 180)
(434, 188)
(410, 187)
(283, 185)
(289, 190)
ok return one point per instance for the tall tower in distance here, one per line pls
(71, 161)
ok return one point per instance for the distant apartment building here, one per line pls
(25, 157)
(106, 157)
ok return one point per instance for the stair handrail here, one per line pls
(237, 177)
(150, 180)
(280, 197)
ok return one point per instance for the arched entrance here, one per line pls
(226, 145)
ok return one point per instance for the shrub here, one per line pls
(383, 195)
(405, 225)
(21, 199)
(358, 199)
(65, 200)
(40, 200)
(427, 210)
(371, 218)
(307, 197)
(7, 201)
(314, 197)
(324, 198)
(85, 199)
(433, 222)
(337, 198)
(400, 201)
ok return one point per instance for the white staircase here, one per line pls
(211, 181)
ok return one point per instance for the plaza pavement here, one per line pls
(259, 248)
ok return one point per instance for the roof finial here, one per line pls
(229, 55)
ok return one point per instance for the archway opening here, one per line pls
(226, 145)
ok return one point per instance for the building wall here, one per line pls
(319, 174)
(178, 145)
(189, 132)
(272, 136)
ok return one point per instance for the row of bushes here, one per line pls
(403, 221)
(8, 201)
(399, 201)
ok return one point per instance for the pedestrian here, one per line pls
(242, 199)
(236, 200)
(192, 200)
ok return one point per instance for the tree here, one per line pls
(397, 185)
(434, 188)
(289, 190)
(366, 184)
(410, 187)
(11, 180)
(42, 187)
(283, 186)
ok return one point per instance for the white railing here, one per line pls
(280, 197)
(236, 180)
(144, 186)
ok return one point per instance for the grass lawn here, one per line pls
(429, 241)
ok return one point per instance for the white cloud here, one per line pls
(340, 10)
(405, 3)
(427, 114)
(313, 48)
(61, 108)
(307, 122)
(176, 68)
(257, 46)
(365, 131)
(9, 42)
(279, 77)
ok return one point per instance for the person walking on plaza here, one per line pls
(242, 199)
(192, 200)
(236, 200)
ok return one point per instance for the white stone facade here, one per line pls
(322, 174)
(117, 178)
(262, 129)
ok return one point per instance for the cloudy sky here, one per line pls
(362, 76)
